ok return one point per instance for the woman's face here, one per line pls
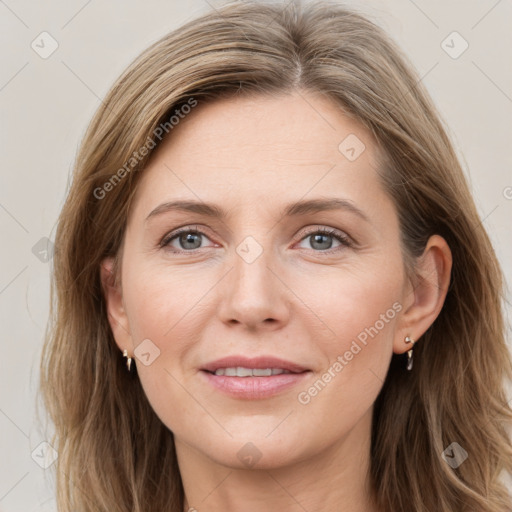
(250, 277)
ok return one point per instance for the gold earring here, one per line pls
(408, 339)
(128, 359)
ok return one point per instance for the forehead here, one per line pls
(252, 151)
(296, 126)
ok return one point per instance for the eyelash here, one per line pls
(345, 241)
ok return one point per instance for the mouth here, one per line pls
(240, 371)
(263, 366)
(253, 378)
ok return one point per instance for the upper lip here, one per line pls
(261, 362)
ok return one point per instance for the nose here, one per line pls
(254, 295)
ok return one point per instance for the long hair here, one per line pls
(115, 455)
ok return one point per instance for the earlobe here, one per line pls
(429, 291)
(112, 293)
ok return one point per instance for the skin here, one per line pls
(299, 300)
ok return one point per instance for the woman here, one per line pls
(273, 290)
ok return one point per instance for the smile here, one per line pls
(240, 371)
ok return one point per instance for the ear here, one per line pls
(424, 298)
(115, 307)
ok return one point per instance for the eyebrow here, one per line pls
(298, 208)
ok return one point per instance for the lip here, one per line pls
(254, 388)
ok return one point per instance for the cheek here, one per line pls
(159, 299)
(352, 306)
(358, 312)
(164, 306)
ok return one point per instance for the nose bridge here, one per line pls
(252, 293)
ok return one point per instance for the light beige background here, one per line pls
(47, 103)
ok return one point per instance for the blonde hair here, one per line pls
(115, 455)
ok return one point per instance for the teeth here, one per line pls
(260, 372)
(243, 372)
(249, 372)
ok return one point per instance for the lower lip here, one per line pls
(254, 388)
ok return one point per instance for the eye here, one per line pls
(322, 239)
(190, 239)
(186, 239)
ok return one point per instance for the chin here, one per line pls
(242, 453)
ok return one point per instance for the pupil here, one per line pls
(318, 239)
(188, 238)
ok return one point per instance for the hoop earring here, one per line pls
(408, 339)
(128, 360)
